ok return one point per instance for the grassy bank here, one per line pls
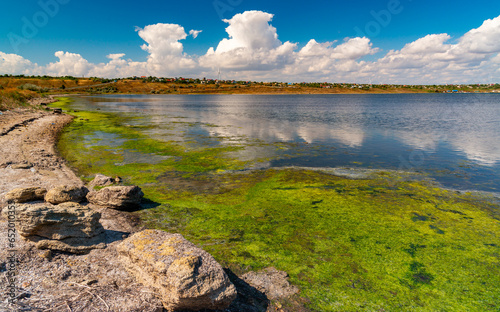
(382, 242)
(14, 98)
(154, 85)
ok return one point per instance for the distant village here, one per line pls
(447, 88)
(207, 84)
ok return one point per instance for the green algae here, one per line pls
(380, 242)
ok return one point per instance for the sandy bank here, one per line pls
(55, 281)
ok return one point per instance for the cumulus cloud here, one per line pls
(68, 64)
(165, 51)
(483, 40)
(253, 44)
(432, 58)
(253, 50)
(322, 58)
(15, 64)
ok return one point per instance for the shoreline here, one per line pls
(47, 284)
(154, 85)
(48, 280)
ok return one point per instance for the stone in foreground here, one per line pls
(66, 193)
(116, 197)
(23, 195)
(185, 276)
(68, 227)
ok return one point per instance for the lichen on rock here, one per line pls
(185, 276)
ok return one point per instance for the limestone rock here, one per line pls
(273, 283)
(68, 227)
(23, 195)
(185, 276)
(101, 180)
(66, 193)
(116, 197)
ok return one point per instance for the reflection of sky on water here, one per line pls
(334, 130)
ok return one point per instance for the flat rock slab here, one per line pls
(66, 193)
(185, 276)
(23, 195)
(68, 227)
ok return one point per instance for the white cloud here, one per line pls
(253, 44)
(432, 60)
(253, 50)
(69, 64)
(483, 40)
(115, 57)
(165, 51)
(195, 33)
(15, 64)
(250, 30)
(354, 49)
(323, 58)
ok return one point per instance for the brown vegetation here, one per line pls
(10, 87)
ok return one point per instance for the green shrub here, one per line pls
(32, 87)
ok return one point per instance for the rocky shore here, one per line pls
(77, 248)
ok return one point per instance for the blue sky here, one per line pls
(95, 29)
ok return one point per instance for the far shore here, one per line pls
(154, 85)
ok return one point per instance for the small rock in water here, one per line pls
(116, 197)
(101, 180)
(272, 282)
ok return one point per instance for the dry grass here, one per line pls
(138, 86)
(11, 98)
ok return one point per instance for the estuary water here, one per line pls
(452, 138)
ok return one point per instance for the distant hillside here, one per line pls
(17, 90)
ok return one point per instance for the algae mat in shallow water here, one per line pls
(376, 243)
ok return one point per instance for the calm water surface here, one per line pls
(455, 138)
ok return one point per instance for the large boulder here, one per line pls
(101, 180)
(116, 197)
(185, 276)
(23, 195)
(68, 227)
(66, 193)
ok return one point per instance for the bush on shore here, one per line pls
(32, 87)
(10, 99)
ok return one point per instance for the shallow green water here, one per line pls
(381, 242)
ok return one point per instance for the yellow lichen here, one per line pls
(166, 250)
